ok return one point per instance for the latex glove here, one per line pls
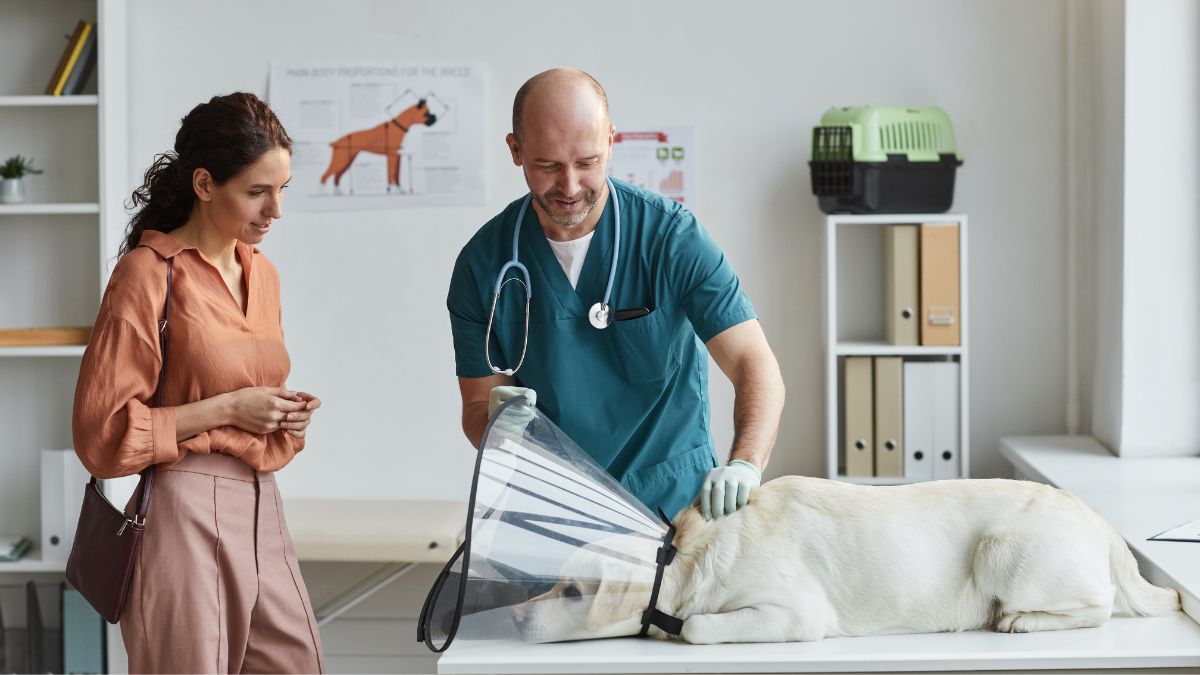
(726, 488)
(499, 395)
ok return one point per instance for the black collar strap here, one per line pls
(653, 616)
(402, 127)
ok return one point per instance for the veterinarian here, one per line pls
(616, 345)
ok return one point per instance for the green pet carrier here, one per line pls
(873, 159)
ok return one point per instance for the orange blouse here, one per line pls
(213, 348)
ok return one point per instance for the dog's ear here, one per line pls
(616, 600)
(421, 103)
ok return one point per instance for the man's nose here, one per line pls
(570, 185)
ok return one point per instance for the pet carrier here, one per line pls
(873, 159)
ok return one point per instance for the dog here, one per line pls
(384, 139)
(809, 558)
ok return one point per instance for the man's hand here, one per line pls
(726, 488)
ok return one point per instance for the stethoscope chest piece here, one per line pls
(600, 315)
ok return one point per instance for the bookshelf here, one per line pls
(853, 303)
(56, 248)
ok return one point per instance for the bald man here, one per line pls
(617, 331)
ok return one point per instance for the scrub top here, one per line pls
(634, 395)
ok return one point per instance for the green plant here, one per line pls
(17, 167)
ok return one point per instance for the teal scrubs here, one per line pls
(634, 395)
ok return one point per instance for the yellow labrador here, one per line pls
(809, 558)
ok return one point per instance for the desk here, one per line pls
(398, 534)
(1119, 489)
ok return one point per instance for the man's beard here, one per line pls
(589, 197)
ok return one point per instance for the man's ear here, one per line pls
(203, 184)
(514, 148)
(616, 601)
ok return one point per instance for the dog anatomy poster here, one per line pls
(380, 135)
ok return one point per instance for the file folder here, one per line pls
(945, 420)
(857, 443)
(889, 416)
(939, 285)
(918, 420)
(901, 287)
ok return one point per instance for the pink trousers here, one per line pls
(216, 587)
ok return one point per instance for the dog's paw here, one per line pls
(699, 630)
(1016, 622)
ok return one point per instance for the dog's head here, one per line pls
(597, 600)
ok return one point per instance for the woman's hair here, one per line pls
(224, 136)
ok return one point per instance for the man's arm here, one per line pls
(742, 353)
(475, 392)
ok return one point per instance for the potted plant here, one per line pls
(12, 171)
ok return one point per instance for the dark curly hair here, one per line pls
(224, 136)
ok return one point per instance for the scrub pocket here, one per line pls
(673, 483)
(646, 346)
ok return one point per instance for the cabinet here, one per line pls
(855, 301)
(57, 248)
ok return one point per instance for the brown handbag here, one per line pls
(106, 540)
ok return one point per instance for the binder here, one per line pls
(945, 420)
(34, 661)
(889, 416)
(63, 480)
(939, 285)
(83, 65)
(901, 285)
(61, 69)
(75, 49)
(857, 403)
(82, 634)
(918, 420)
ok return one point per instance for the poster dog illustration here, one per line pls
(384, 139)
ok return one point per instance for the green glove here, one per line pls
(727, 488)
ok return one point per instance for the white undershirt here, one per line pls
(571, 254)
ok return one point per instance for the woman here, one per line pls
(216, 586)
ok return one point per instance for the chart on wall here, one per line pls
(656, 159)
(381, 135)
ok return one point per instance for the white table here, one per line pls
(1140, 498)
(398, 534)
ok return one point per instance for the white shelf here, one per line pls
(836, 349)
(32, 562)
(876, 480)
(49, 209)
(897, 219)
(885, 349)
(48, 101)
(55, 350)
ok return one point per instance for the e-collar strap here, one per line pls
(653, 616)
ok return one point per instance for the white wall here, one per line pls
(364, 293)
(1161, 271)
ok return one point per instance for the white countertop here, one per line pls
(1139, 497)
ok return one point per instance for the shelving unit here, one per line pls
(854, 323)
(57, 248)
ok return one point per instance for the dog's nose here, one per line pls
(519, 613)
(430, 119)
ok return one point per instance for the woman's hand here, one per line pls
(263, 410)
(296, 423)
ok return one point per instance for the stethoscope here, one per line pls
(600, 314)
